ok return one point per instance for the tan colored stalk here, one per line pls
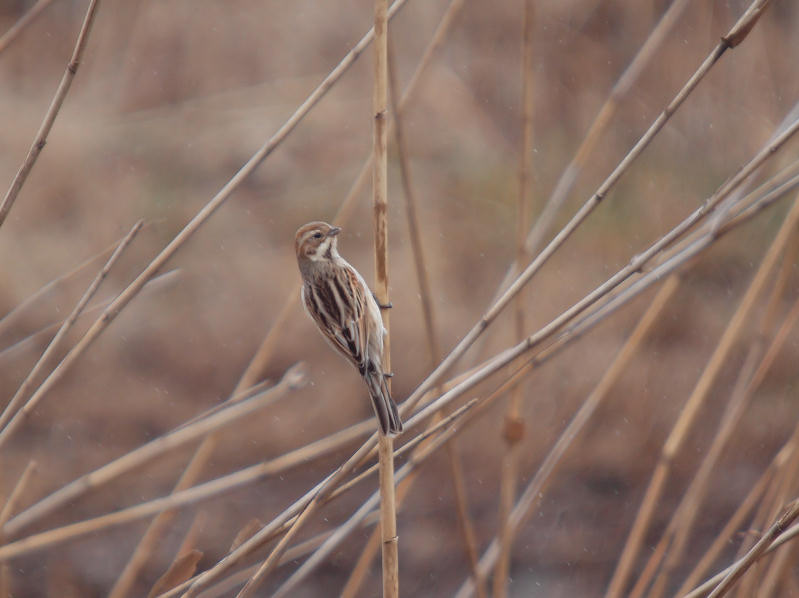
(690, 411)
(775, 575)
(702, 590)
(676, 535)
(55, 343)
(722, 540)
(49, 118)
(5, 513)
(8, 320)
(19, 488)
(419, 456)
(385, 451)
(271, 341)
(513, 425)
(204, 491)
(790, 514)
(530, 496)
(572, 171)
(26, 19)
(292, 379)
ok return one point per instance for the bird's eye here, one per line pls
(317, 235)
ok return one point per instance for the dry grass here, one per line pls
(659, 437)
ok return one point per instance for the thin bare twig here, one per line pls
(23, 389)
(26, 19)
(292, 379)
(49, 118)
(791, 513)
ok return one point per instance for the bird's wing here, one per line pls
(337, 303)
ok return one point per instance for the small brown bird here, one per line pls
(346, 313)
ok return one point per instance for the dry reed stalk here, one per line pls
(689, 412)
(19, 396)
(790, 514)
(16, 492)
(672, 543)
(7, 320)
(735, 522)
(32, 339)
(25, 20)
(702, 590)
(265, 352)
(292, 379)
(5, 513)
(753, 372)
(201, 492)
(519, 514)
(185, 562)
(361, 569)
(588, 321)
(513, 424)
(776, 572)
(735, 36)
(49, 118)
(784, 484)
(589, 143)
(388, 509)
(297, 512)
(418, 457)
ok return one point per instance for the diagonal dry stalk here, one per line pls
(265, 352)
(8, 319)
(5, 513)
(199, 493)
(735, 522)
(532, 492)
(694, 403)
(25, 20)
(753, 372)
(589, 143)
(513, 425)
(49, 118)
(123, 464)
(55, 343)
(292, 379)
(740, 568)
(451, 425)
(573, 332)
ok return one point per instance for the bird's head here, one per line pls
(316, 241)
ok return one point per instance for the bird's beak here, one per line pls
(334, 231)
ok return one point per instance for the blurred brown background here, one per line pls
(173, 97)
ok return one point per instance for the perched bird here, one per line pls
(346, 313)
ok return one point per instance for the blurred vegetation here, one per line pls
(173, 97)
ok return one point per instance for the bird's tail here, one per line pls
(385, 408)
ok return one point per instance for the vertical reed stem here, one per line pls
(388, 515)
